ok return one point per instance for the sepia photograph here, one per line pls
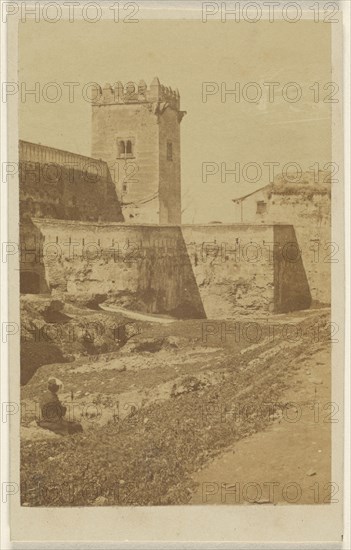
(180, 218)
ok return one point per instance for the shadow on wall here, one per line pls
(191, 305)
(291, 288)
(167, 283)
(32, 270)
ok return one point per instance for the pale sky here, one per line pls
(184, 54)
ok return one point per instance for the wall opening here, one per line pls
(169, 150)
(261, 207)
(129, 148)
(125, 147)
(121, 148)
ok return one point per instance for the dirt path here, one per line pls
(163, 319)
(290, 461)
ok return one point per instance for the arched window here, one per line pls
(125, 147)
(129, 149)
(121, 148)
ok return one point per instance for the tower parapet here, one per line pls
(136, 131)
(132, 92)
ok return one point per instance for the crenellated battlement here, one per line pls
(136, 131)
(132, 92)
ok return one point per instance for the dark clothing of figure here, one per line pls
(52, 412)
(51, 407)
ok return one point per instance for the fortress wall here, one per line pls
(246, 267)
(311, 220)
(189, 271)
(232, 267)
(310, 214)
(142, 268)
(62, 185)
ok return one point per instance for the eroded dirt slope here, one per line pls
(156, 411)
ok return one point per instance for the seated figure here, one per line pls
(53, 412)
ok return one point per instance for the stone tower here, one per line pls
(136, 130)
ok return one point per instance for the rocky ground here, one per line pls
(163, 403)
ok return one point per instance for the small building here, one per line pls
(306, 206)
